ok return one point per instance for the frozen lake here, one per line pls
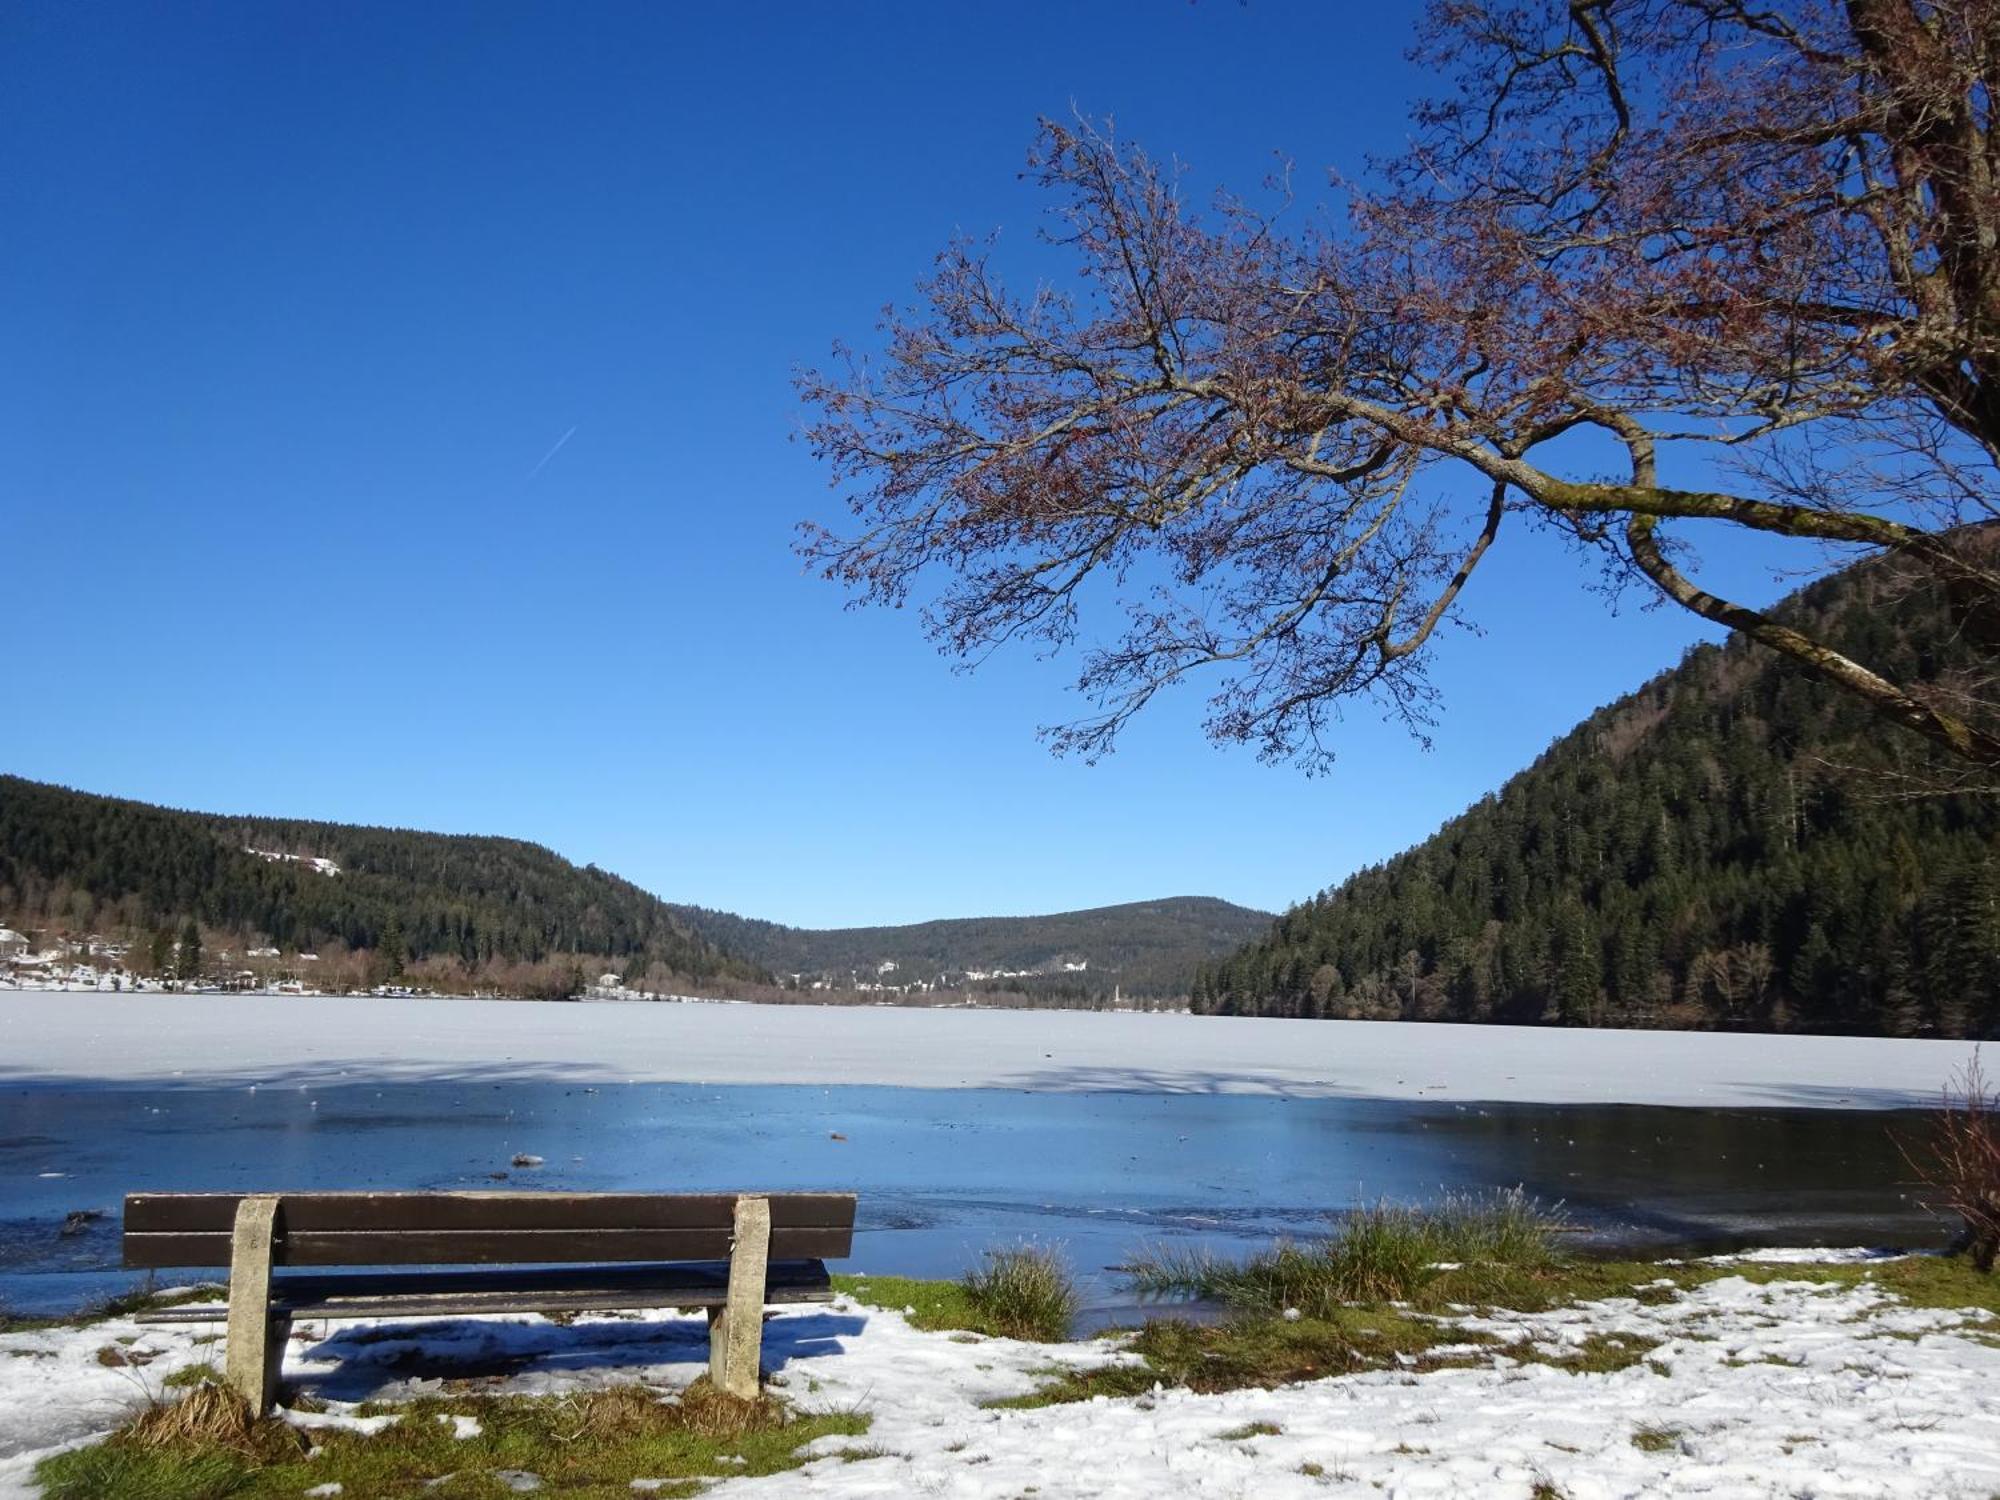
(252, 1038)
(960, 1130)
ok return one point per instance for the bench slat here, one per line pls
(477, 1293)
(215, 1213)
(466, 1247)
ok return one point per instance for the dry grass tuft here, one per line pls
(627, 1413)
(619, 1413)
(211, 1418)
(711, 1413)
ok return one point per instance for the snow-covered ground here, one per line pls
(257, 1038)
(1789, 1388)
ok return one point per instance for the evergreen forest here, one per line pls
(462, 904)
(1734, 845)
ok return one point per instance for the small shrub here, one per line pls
(1025, 1292)
(1960, 1162)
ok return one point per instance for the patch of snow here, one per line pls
(1782, 1255)
(312, 1421)
(1777, 1389)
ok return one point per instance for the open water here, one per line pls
(944, 1174)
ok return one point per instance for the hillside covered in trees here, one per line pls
(1732, 846)
(448, 909)
(459, 912)
(1142, 948)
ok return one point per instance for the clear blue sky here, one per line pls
(296, 297)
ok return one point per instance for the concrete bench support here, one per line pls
(255, 1346)
(736, 1329)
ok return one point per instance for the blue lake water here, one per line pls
(944, 1174)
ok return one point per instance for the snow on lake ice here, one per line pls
(230, 1038)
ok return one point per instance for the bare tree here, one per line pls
(1701, 236)
(1960, 1161)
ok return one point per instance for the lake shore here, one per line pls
(215, 1040)
(1762, 1381)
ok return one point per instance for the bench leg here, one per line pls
(255, 1345)
(736, 1330)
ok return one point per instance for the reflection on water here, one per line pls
(943, 1174)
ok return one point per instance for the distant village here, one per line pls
(881, 979)
(100, 963)
(95, 962)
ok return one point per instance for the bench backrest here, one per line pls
(505, 1228)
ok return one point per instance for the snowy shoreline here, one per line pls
(1748, 1388)
(222, 1040)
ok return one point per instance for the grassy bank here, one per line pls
(1389, 1289)
(1386, 1289)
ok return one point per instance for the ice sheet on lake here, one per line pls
(231, 1038)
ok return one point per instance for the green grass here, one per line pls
(1024, 1292)
(933, 1306)
(585, 1446)
(1262, 1351)
(1656, 1439)
(189, 1376)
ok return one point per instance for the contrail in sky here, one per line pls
(550, 454)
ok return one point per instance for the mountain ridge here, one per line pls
(1148, 946)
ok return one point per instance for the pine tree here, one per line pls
(160, 952)
(187, 962)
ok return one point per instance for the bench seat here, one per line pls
(551, 1289)
(472, 1254)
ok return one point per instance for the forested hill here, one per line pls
(1727, 847)
(458, 912)
(1146, 948)
(450, 903)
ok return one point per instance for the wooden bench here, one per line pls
(731, 1253)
